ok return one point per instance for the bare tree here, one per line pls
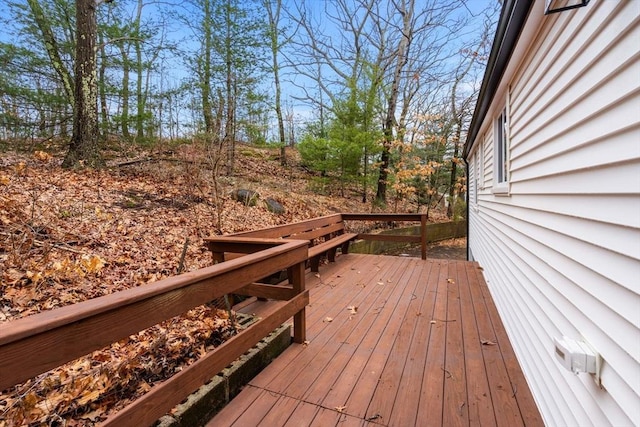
(421, 37)
(274, 8)
(388, 51)
(333, 63)
(400, 56)
(462, 102)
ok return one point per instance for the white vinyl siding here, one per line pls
(561, 254)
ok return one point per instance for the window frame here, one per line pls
(501, 174)
(476, 182)
(481, 182)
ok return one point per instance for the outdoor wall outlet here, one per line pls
(578, 356)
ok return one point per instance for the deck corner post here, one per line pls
(345, 248)
(299, 319)
(423, 236)
(218, 257)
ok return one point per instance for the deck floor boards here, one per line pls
(425, 347)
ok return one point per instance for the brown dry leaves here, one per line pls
(87, 389)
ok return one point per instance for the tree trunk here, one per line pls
(365, 175)
(401, 58)
(229, 127)
(125, 92)
(458, 112)
(454, 170)
(83, 149)
(205, 71)
(230, 83)
(140, 98)
(104, 109)
(274, 17)
(383, 174)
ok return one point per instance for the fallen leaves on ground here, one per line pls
(89, 388)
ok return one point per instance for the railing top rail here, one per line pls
(266, 241)
(293, 227)
(41, 322)
(383, 217)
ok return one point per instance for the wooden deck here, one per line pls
(425, 347)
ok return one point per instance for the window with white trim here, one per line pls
(476, 176)
(481, 163)
(473, 178)
(501, 153)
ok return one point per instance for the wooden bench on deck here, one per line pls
(325, 235)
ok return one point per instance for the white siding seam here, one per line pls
(561, 245)
(612, 148)
(574, 205)
(591, 239)
(567, 171)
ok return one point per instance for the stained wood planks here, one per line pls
(426, 347)
(480, 405)
(410, 384)
(519, 390)
(455, 410)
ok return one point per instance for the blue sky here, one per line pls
(175, 71)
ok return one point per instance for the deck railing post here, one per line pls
(423, 236)
(217, 257)
(299, 319)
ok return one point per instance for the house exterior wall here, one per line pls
(561, 249)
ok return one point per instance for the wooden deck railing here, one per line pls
(421, 218)
(35, 344)
(329, 230)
